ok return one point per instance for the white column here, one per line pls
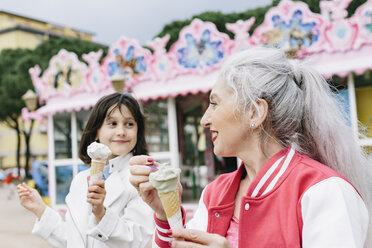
(51, 162)
(74, 144)
(172, 132)
(352, 102)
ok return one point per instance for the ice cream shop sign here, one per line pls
(330, 42)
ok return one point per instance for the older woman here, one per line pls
(303, 181)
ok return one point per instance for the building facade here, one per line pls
(173, 86)
(17, 31)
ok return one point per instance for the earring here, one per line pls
(253, 125)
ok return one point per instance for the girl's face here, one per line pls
(118, 131)
(228, 128)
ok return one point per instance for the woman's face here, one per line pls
(229, 129)
(118, 131)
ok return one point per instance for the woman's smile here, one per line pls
(214, 135)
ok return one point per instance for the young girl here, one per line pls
(109, 212)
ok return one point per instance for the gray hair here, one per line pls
(302, 112)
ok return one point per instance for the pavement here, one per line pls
(16, 222)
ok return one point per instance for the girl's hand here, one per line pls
(96, 195)
(194, 238)
(140, 171)
(31, 199)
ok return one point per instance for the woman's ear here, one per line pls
(259, 114)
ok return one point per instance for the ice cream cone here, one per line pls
(165, 180)
(171, 204)
(96, 170)
(98, 153)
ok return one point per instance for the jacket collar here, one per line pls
(119, 163)
(266, 180)
(271, 173)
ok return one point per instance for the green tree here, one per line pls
(15, 81)
(46, 50)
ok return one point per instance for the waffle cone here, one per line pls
(171, 202)
(96, 167)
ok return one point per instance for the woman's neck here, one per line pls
(255, 157)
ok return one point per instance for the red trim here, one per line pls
(165, 225)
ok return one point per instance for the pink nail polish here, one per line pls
(154, 167)
(150, 162)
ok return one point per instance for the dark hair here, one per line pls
(99, 114)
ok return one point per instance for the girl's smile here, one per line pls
(119, 130)
(120, 141)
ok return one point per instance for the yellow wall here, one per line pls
(5, 22)
(16, 38)
(28, 39)
(364, 107)
(8, 144)
(19, 39)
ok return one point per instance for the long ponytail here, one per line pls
(329, 139)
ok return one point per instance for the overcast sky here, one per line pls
(109, 19)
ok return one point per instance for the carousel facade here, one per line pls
(172, 86)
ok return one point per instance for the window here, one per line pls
(156, 125)
(62, 135)
(192, 144)
(81, 121)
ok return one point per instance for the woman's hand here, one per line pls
(96, 195)
(31, 199)
(139, 178)
(194, 238)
